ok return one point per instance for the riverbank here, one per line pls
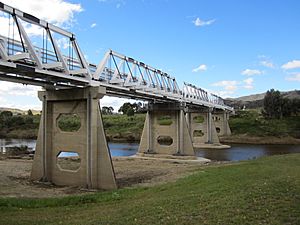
(246, 139)
(263, 191)
(129, 171)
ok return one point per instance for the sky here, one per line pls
(229, 47)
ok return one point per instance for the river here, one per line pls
(237, 152)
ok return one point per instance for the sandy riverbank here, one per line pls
(130, 172)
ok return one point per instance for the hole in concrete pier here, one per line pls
(217, 118)
(165, 140)
(198, 119)
(218, 129)
(68, 161)
(164, 120)
(198, 133)
(68, 122)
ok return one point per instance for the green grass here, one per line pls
(198, 119)
(124, 126)
(69, 122)
(252, 123)
(164, 120)
(263, 191)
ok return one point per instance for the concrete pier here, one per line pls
(88, 142)
(202, 128)
(166, 131)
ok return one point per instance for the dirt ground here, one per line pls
(130, 172)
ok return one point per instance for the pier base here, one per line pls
(86, 140)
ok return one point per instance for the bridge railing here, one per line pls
(19, 44)
(125, 71)
(122, 75)
(14, 50)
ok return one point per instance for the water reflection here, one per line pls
(123, 149)
(116, 149)
(236, 153)
(239, 152)
(5, 144)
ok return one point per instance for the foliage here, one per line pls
(263, 191)
(130, 112)
(127, 106)
(277, 107)
(18, 150)
(18, 126)
(124, 127)
(29, 113)
(198, 119)
(165, 120)
(107, 110)
(252, 123)
(69, 122)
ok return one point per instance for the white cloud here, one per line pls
(93, 25)
(248, 83)
(267, 63)
(291, 65)
(228, 85)
(200, 23)
(63, 43)
(8, 88)
(202, 67)
(114, 102)
(59, 12)
(250, 72)
(16, 93)
(224, 94)
(295, 77)
(118, 3)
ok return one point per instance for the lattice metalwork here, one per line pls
(46, 62)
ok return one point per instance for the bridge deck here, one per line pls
(52, 67)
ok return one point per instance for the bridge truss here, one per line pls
(53, 65)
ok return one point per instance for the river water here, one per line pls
(237, 152)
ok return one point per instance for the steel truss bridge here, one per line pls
(45, 62)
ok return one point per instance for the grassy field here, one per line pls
(263, 191)
(251, 122)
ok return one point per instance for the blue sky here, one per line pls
(229, 47)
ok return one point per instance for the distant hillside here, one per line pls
(256, 101)
(19, 111)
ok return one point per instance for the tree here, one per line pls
(130, 112)
(29, 112)
(276, 106)
(137, 106)
(6, 114)
(107, 110)
(272, 104)
(295, 106)
(125, 107)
